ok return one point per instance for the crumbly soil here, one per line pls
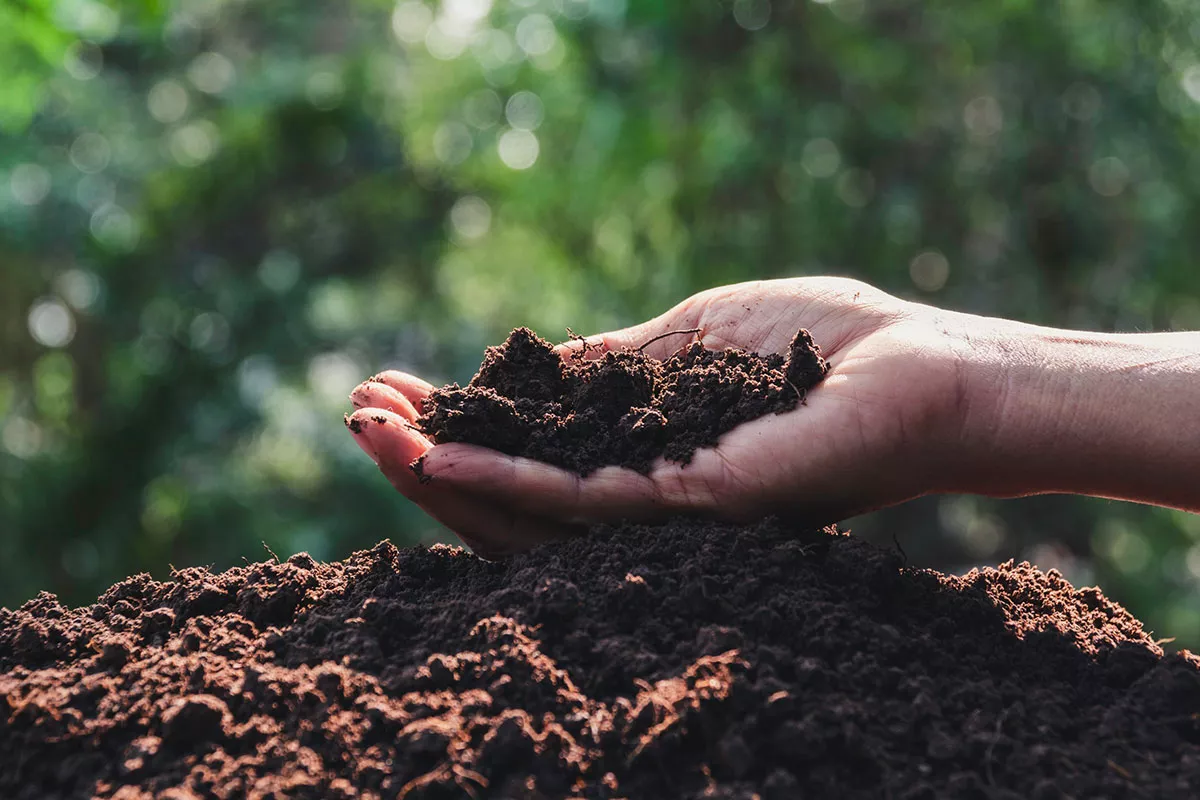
(624, 408)
(687, 660)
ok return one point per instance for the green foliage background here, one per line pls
(216, 216)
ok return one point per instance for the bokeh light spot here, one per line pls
(1109, 176)
(821, 158)
(929, 271)
(79, 287)
(410, 21)
(167, 101)
(1191, 82)
(29, 184)
(193, 144)
(983, 117)
(279, 270)
(51, 323)
(855, 187)
(536, 34)
(518, 149)
(90, 152)
(22, 437)
(94, 191)
(446, 42)
(752, 15)
(466, 11)
(114, 228)
(83, 61)
(332, 376)
(471, 217)
(211, 73)
(90, 19)
(209, 332)
(524, 111)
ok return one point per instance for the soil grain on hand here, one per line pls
(684, 660)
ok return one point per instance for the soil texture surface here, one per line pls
(623, 408)
(685, 660)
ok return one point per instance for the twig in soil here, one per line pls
(586, 348)
(896, 541)
(267, 547)
(799, 394)
(654, 339)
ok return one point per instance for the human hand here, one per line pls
(878, 431)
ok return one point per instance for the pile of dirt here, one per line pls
(624, 408)
(686, 660)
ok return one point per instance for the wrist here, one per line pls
(1047, 411)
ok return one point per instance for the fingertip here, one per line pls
(371, 394)
(414, 389)
(390, 440)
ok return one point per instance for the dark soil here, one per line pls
(689, 660)
(623, 408)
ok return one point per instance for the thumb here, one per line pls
(657, 338)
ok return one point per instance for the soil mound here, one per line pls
(623, 408)
(686, 660)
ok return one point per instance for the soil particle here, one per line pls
(622, 408)
(684, 660)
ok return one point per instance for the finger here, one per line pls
(412, 387)
(608, 494)
(490, 528)
(380, 395)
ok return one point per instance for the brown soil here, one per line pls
(623, 408)
(687, 660)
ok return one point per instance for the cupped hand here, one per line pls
(881, 428)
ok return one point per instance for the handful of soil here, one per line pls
(624, 408)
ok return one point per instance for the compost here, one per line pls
(688, 659)
(623, 408)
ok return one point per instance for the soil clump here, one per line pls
(623, 408)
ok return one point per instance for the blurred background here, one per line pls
(217, 216)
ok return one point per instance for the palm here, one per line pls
(838, 455)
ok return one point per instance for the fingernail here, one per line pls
(358, 427)
(434, 465)
(418, 469)
(358, 396)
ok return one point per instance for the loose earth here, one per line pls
(687, 660)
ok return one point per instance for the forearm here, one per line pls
(1111, 415)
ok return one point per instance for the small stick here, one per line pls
(668, 333)
(579, 354)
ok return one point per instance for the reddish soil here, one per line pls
(623, 408)
(692, 659)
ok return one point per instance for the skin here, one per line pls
(919, 400)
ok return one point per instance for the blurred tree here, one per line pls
(217, 215)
